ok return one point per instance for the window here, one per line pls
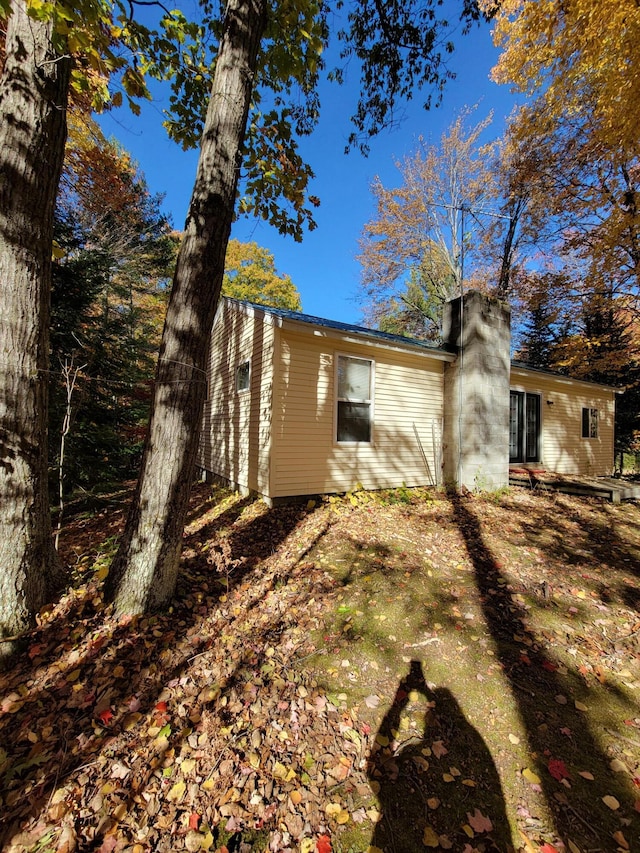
(242, 376)
(354, 399)
(589, 423)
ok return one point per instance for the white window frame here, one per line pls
(243, 390)
(593, 422)
(369, 401)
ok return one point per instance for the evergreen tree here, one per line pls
(115, 253)
(542, 322)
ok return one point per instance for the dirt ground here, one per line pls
(396, 671)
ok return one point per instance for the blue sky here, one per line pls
(324, 265)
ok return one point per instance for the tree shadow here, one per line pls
(562, 744)
(440, 788)
(86, 685)
(585, 533)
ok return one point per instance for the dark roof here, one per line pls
(400, 340)
(337, 326)
(522, 365)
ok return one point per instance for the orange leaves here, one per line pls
(323, 844)
(106, 716)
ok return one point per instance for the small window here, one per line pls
(242, 376)
(589, 423)
(354, 399)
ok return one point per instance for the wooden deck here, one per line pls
(608, 488)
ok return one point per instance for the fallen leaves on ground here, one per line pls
(219, 720)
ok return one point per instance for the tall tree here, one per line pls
(33, 101)
(250, 273)
(543, 321)
(144, 572)
(575, 144)
(38, 52)
(426, 234)
(580, 160)
(145, 569)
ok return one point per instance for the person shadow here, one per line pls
(439, 788)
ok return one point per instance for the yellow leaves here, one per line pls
(611, 802)
(282, 773)
(530, 776)
(206, 842)
(101, 573)
(119, 812)
(337, 812)
(176, 793)
(57, 252)
(250, 273)
(584, 47)
(430, 837)
(618, 766)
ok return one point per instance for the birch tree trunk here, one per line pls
(33, 97)
(144, 572)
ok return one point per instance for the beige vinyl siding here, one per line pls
(562, 448)
(236, 430)
(407, 419)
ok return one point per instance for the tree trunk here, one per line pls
(33, 98)
(144, 572)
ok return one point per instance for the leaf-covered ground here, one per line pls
(401, 672)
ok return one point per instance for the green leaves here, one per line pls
(402, 49)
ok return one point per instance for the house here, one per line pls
(298, 405)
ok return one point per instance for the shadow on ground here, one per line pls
(561, 741)
(439, 788)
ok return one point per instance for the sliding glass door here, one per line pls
(524, 427)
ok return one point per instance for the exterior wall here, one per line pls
(563, 450)
(476, 401)
(236, 429)
(407, 417)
